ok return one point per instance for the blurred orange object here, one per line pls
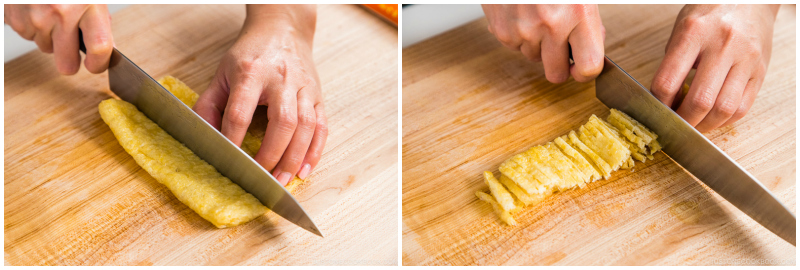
(386, 11)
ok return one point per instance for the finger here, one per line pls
(65, 48)
(97, 37)
(555, 56)
(42, 19)
(749, 96)
(705, 88)
(282, 115)
(292, 159)
(44, 41)
(212, 102)
(668, 79)
(586, 41)
(532, 51)
(12, 16)
(242, 102)
(728, 100)
(504, 33)
(21, 22)
(501, 28)
(317, 143)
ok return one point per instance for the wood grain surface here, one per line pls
(469, 104)
(73, 196)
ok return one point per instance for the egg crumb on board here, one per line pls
(193, 181)
(596, 150)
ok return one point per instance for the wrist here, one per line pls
(295, 21)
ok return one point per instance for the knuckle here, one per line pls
(549, 22)
(753, 50)
(281, 67)
(55, 8)
(306, 118)
(286, 120)
(582, 12)
(741, 110)
(59, 11)
(312, 156)
(59, 8)
(38, 22)
(245, 67)
(585, 10)
(322, 129)
(729, 32)
(726, 107)
(549, 19)
(237, 118)
(526, 35)
(692, 24)
(664, 83)
(308, 81)
(552, 28)
(702, 103)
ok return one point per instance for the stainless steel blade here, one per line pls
(133, 85)
(694, 152)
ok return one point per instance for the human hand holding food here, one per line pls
(271, 64)
(730, 47)
(546, 32)
(54, 28)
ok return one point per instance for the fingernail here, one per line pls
(304, 171)
(284, 178)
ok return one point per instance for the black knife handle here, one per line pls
(81, 45)
(569, 48)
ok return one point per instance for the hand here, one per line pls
(270, 64)
(54, 28)
(730, 47)
(546, 32)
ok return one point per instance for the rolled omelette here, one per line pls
(193, 181)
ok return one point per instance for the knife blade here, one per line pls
(133, 85)
(694, 152)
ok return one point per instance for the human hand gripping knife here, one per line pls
(694, 152)
(133, 85)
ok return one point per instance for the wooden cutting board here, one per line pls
(73, 196)
(469, 104)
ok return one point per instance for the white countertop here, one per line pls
(421, 22)
(14, 45)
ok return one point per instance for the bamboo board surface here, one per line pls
(73, 196)
(491, 103)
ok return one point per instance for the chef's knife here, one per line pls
(694, 152)
(133, 85)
